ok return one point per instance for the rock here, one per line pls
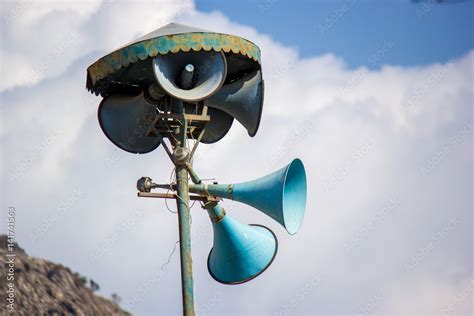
(47, 288)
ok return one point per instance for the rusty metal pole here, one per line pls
(181, 157)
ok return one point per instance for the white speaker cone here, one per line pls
(190, 76)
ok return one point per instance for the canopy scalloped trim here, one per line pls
(169, 43)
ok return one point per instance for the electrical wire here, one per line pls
(171, 131)
(185, 203)
(191, 158)
(167, 206)
(169, 257)
(173, 172)
(168, 191)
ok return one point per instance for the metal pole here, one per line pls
(184, 217)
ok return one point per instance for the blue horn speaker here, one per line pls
(281, 194)
(240, 252)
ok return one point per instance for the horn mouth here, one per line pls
(209, 74)
(254, 132)
(150, 144)
(294, 196)
(218, 127)
(253, 276)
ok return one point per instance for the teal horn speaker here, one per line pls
(281, 194)
(240, 252)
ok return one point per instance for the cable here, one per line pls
(169, 257)
(168, 191)
(169, 210)
(173, 172)
(185, 203)
(191, 158)
(171, 133)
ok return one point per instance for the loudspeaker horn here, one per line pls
(240, 252)
(281, 194)
(243, 99)
(125, 120)
(216, 128)
(190, 76)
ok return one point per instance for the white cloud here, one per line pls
(402, 133)
(45, 39)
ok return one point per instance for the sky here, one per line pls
(376, 99)
(424, 32)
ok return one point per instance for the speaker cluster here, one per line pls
(201, 80)
(179, 82)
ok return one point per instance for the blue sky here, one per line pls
(423, 33)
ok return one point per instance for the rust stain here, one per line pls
(165, 44)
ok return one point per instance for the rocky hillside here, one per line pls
(46, 288)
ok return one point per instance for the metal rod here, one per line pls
(171, 196)
(198, 140)
(162, 141)
(170, 186)
(184, 223)
(194, 177)
(186, 78)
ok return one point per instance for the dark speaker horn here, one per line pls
(125, 120)
(216, 128)
(243, 99)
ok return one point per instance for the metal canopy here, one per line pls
(129, 68)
